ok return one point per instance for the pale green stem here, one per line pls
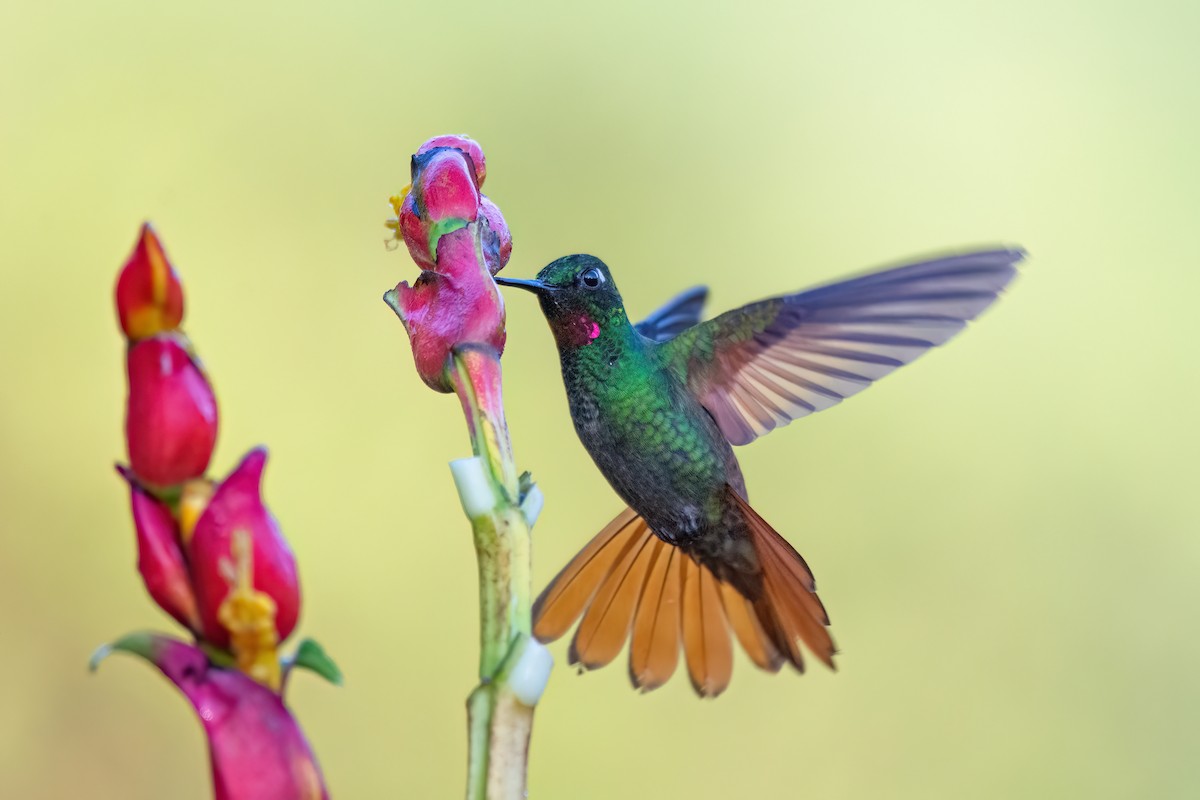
(513, 667)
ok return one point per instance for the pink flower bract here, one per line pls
(160, 556)
(459, 239)
(237, 506)
(256, 749)
(171, 417)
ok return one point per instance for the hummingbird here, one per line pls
(660, 405)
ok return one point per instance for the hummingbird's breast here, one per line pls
(656, 445)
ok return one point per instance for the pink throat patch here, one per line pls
(584, 331)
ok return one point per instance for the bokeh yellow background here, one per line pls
(1005, 533)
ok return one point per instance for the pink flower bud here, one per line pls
(237, 508)
(149, 295)
(497, 241)
(256, 748)
(160, 556)
(171, 418)
(444, 198)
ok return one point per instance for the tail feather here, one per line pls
(568, 594)
(758, 642)
(605, 625)
(705, 631)
(629, 584)
(654, 648)
(789, 596)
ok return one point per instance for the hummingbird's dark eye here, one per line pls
(592, 278)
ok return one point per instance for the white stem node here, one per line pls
(532, 505)
(529, 675)
(474, 489)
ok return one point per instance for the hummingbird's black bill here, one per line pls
(537, 287)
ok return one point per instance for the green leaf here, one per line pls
(311, 656)
(142, 643)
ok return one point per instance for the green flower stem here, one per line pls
(500, 717)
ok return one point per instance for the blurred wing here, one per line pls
(677, 315)
(761, 366)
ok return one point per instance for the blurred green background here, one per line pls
(1005, 533)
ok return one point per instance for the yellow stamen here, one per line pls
(249, 616)
(397, 200)
(192, 503)
(393, 224)
(159, 271)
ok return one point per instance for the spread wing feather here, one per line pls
(761, 366)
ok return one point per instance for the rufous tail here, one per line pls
(629, 584)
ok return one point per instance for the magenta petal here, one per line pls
(160, 557)
(237, 506)
(257, 749)
(445, 187)
(465, 145)
(415, 231)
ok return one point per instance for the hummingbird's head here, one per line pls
(578, 297)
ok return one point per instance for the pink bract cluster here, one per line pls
(209, 552)
(459, 239)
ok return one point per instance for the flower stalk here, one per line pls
(454, 316)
